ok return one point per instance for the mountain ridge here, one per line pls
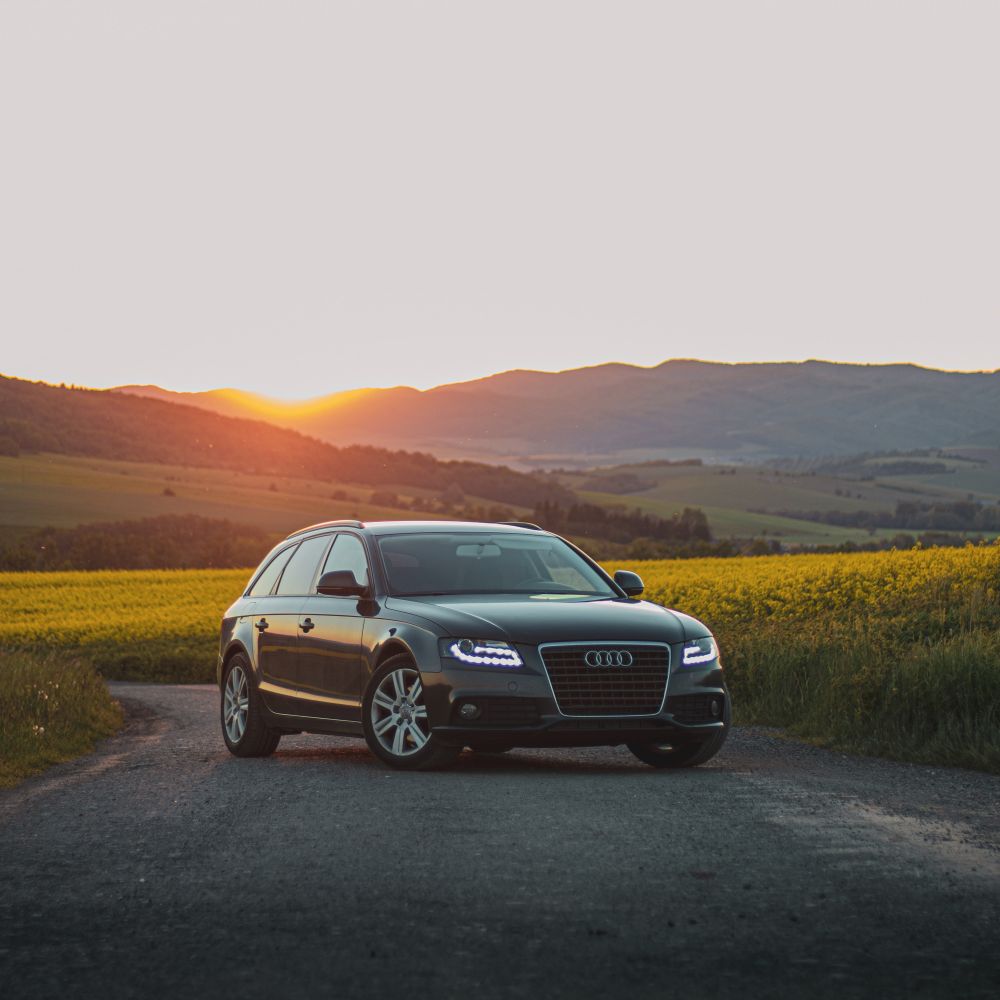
(615, 410)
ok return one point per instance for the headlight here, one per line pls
(700, 651)
(482, 652)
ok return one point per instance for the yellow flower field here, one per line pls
(133, 624)
(915, 593)
(890, 652)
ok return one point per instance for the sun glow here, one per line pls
(278, 409)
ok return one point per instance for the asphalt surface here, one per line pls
(162, 866)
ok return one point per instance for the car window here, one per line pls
(301, 568)
(560, 571)
(348, 552)
(264, 583)
(471, 563)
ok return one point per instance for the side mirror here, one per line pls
(631, 583)
(341, 583)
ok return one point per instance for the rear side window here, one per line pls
(265, 582)
(301, 568)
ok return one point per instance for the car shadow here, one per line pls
(600, 760)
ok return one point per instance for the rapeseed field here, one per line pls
(895, 653)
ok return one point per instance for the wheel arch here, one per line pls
(233, 649)
(393, 647)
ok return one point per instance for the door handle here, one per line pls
(307, 625)
(261, 626)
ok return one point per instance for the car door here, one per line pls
(273, 630)
(276, 621)
(331, 660)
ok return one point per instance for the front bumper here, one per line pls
(518, 707)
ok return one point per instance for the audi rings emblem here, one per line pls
(608, 658)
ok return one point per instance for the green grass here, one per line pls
(53, 708)
(729, 522)
(931, 704)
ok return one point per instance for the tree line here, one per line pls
(620, 525)
(911, 515)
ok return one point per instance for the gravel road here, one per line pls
(162, 866)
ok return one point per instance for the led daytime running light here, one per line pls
(487, 656)
(697, 653)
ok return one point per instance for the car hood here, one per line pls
(536, 619)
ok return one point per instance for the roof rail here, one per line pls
(522, 524)
(347, 523)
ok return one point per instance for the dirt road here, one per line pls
(162, 866)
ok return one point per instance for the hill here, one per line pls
(618, 412)
(35, 417)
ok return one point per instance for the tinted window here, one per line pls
(265, 582)
(299, 573)
(348, 553)
(469, 563)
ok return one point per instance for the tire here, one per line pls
(684, 754)
(395, 719)
(246, 733)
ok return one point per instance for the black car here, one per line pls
(426, 637)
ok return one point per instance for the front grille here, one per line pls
(691, 709)
(584, 690)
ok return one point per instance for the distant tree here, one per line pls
(453, 495)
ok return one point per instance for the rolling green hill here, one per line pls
(746, 501)
(79, 457)
(35, 417)
(63, 491)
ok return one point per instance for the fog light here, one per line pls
(716, 707)
(469, 711)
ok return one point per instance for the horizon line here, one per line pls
(300, 401)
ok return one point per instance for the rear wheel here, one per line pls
(395, 719)
(243, 727)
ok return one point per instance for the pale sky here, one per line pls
(299, 197)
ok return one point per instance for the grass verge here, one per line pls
(929, 704)
(52, 708)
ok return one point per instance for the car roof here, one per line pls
(415, 527)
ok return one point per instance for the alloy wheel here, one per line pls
(236, 704)
(398, 713)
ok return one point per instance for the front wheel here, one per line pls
(395, 719)
(684, 754)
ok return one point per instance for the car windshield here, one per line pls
(432, 563)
